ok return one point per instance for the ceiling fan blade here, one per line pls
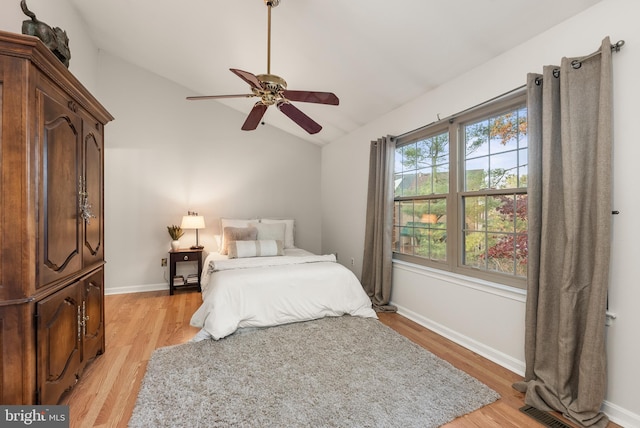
(250, 78)
(255, 116)
(304, 121)
(214, 97)
(312, 97)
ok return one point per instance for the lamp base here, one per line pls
(197, 247)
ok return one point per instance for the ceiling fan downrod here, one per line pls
(270, 4)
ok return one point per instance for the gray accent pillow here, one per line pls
(238, 234)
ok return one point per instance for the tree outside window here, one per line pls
(422, 174)
(495, 202)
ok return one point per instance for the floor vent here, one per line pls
(543, 417)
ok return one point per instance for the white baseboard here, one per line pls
(615, 413)
(621, 416)
(136, 288)
(487, 352)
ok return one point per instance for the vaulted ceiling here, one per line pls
(374, 55)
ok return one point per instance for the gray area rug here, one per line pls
(332, 372)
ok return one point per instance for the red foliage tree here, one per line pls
(510, 246)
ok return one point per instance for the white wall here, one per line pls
(165, 155)
(84, 55)
(487, 319)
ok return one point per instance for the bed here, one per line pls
(258, 282)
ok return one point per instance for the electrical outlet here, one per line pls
(163, 262)
(352, 261)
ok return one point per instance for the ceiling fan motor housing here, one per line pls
(272, 87)
(271, 82)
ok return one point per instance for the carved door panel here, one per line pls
(91, 202)
(58, 343)
(92, 316)
(59, 144)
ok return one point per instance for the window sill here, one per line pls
(496, 289)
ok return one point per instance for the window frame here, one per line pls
(454, 199)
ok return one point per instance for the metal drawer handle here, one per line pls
(186, 257)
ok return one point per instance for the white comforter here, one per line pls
(268, 291)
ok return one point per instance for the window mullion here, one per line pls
(493, 192)
(453, 227)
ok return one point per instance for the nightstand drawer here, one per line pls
(187, 257)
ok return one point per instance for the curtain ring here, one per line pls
(556, 73)
(575, 64)
(538, 81)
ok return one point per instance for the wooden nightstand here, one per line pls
(184, 255)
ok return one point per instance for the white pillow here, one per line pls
(275, 231)
(232, 222)
(264, 248)
(288, 232)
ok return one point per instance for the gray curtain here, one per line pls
(376, 264)
(570, 144)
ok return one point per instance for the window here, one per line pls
(421, 189)
(461, 193)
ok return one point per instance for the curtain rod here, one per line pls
(575, 64)
(453, 116)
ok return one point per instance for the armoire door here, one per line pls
(92, 210)
(59, 340)
(92, 316)
(59, 137)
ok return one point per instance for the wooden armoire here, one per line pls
(51, 224)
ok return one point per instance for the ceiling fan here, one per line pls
(272, 89)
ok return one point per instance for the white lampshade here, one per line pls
(192, 222)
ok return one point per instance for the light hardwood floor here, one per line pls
(136, 324)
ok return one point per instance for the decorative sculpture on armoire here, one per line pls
(55, 38)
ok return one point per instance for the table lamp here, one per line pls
(193, 221)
